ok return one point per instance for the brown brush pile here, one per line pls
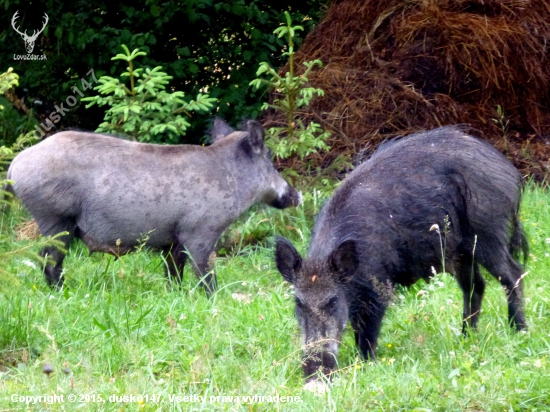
(27, 230)
(393, 67)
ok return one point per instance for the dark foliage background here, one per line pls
(213, 46)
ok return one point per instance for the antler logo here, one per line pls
(29, 40)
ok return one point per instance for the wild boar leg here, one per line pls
(200, 249)
(473, 286)
(509, 274)
(366, 320)
(51, 227)
(175, 257)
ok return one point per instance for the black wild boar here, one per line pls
(377, 231)
(111, 192)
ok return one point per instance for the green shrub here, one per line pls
(8, 80)
(144, 110)
(294, 138)
(12, 122)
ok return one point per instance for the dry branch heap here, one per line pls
(393, 67)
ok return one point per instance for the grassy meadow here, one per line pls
(119, 328)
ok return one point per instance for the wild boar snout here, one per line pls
(284, 195)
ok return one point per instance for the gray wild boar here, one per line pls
(111, 192)
(379, 229)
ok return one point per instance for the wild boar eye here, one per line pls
(331, 304)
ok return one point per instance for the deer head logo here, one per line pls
(29, 40)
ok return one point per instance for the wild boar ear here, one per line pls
(288, 259)
(219, 130)
(344, 260)
(255, 136)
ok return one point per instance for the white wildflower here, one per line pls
(242, 297)
(28, 263)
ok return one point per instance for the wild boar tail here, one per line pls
(518, 243)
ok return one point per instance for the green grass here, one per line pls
(120, 328)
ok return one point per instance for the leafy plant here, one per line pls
(8, 80)
(294, 138)
(144, 110)
(12, 122)
(503, 123)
